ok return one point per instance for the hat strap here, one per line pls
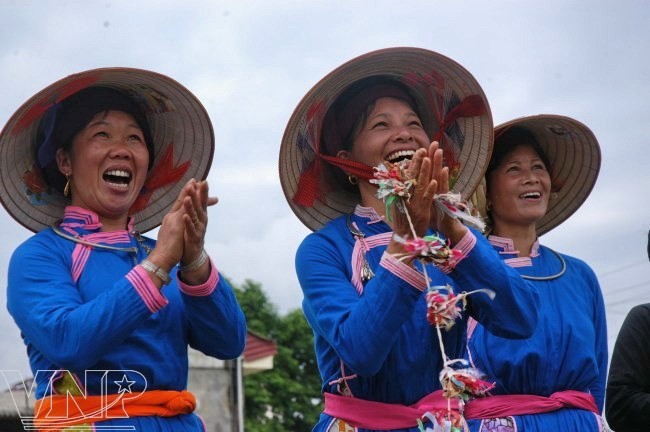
(357, 169)
(471, 106)
(309, 183)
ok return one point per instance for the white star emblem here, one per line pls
(124, 384)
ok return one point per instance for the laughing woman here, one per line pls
(107, 315)
(378, 356)
(542, 169)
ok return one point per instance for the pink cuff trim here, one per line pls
(466, 244)
(205, 288)
(146, 289)
(403, 271)
(462, 249)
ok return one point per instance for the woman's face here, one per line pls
(519, 189)
(391, 131)
(108, 164)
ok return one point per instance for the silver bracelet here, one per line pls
(196, 263)
(157, 271)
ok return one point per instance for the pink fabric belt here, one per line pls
(511, 405)
(381, 416)
(384, 416)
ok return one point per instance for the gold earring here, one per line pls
(66, 189)
(353, 180)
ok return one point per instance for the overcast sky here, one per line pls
(250, 63)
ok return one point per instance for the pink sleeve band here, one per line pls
(466, 244)
(146, 289)
(205, 288)
(403, 271)
(462, 249)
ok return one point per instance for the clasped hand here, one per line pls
(182, 233)
(432, 178)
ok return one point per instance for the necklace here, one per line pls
(551, 277)
(132, 249)
(366, 271)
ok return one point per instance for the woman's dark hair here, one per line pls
(64, 120)
(510, 139)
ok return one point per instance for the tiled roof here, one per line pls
(258, 347)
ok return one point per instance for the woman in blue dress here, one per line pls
(542, 169)
(107, 314)
(378, 356)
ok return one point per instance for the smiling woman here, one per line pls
(366, 300)
(106, 161)
(89, 163)
(542, 169)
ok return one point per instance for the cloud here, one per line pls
(265, 255)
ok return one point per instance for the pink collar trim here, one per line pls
(368, 212)
(79, 217)
(507, 247)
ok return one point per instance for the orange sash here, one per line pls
(57, 412)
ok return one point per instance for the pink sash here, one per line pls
(366, 414)
(512, 405)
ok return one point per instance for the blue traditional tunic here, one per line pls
(95, 313)
(372, 338)
(568, 350)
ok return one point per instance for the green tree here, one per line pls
(286, 398)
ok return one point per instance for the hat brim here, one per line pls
(177, 119)
(574, 154)
(438, 83)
